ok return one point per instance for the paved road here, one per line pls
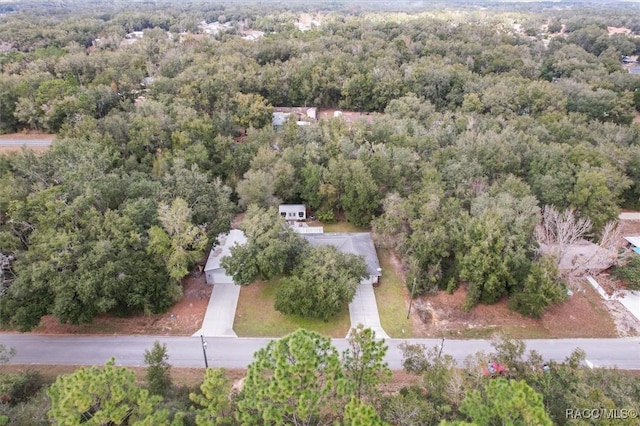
(26, 142)
(238, 352)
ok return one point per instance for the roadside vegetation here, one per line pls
(302, 379)
(629, 273)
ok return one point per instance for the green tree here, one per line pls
(440, 377)
(251, 110)
(80, 263)
(158, 369)
(179, 242)
(348, 184)
(272, 248)
(320, 286)
(103, 395)
(295, 380)
(358, 413)
(257, 187)
(213, 401)
(505, 402)
(540, 289)
(596, 194)
(364, 364)
(208, 199)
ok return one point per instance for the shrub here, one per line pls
(17, 388)
(629, 273)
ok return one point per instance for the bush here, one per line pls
(326, 216)
(321, 285)
(540, 290)
(17, 388)
(629, 273)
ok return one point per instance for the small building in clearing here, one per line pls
(293, 212)
(214, 273)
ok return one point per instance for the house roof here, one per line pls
(634, 240)
(223, 249)
(291, 208)
(582, 255)
(359, 243)
(279, 118)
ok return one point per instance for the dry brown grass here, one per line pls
(581, 315)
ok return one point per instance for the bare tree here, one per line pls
(561, 229)
(610, 235)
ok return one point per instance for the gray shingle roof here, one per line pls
(359, 243)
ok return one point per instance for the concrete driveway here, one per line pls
(221, 311)
(364, 310)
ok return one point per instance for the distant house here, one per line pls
(581, 255)
(634, 243)
(304, 116)
(213, 271)
(279, 118)
(358, 243)
(252, 35)
(293, 211)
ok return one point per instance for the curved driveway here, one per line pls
(230, 352)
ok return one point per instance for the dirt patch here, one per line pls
(397, 266)
(582, 314)
(27, 136)
(235, 223)
(182, 319)
(618, 30)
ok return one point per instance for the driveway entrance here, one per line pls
(221, 311)
(364, 310)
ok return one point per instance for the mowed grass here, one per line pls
(342, 227)
(256, 316)
(391, 298)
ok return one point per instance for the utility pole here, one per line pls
(413, 289)
(204, 351)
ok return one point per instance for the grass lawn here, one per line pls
(342, 227)
(256, 316)
(392, 305)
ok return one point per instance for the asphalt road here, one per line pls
(232, 352)
(26, 142)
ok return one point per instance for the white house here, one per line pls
(293, 211)
(214, 272)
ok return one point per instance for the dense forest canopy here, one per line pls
(474, 119)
